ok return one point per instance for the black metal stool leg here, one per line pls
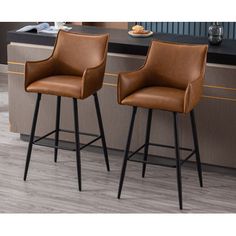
(32, 135)
(149, 120)
(57, 127)
(101, 130)
(77, 144)
(196, 147)
(127, 151)
(178, 166)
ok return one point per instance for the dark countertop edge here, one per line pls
(121, 42)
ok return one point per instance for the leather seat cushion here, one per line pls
(59, 85)
(164, 98)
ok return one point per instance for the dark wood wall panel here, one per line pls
(189, 28)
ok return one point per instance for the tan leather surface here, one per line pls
(79, 56)
(65, 85)
(170, 99)
(180, 67)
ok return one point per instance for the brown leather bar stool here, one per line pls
(75, 69)
(171, 79)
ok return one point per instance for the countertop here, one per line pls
(121, 42)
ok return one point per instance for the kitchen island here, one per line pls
(215, 114)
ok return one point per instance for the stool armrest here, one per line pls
(36, 70)
(93, 79)
(193, 94)
(129, 82)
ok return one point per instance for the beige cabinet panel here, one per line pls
(215, 115)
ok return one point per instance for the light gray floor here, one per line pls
(52, 188)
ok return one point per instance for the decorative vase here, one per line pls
(215, 34)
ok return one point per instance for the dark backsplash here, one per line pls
(4, 27)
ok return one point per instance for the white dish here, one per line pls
(150, 33)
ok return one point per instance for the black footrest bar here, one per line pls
(93, 141)
(55, 146)
(153, 162)
(81, 133)
(160, 164)
(169, 146)
(133, 153)
(35, 142)
(67, 131)
(44, 136)
(188, 157)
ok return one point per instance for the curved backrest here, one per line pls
(73, 53)
(175, 65)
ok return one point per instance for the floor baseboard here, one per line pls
(3, 68)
